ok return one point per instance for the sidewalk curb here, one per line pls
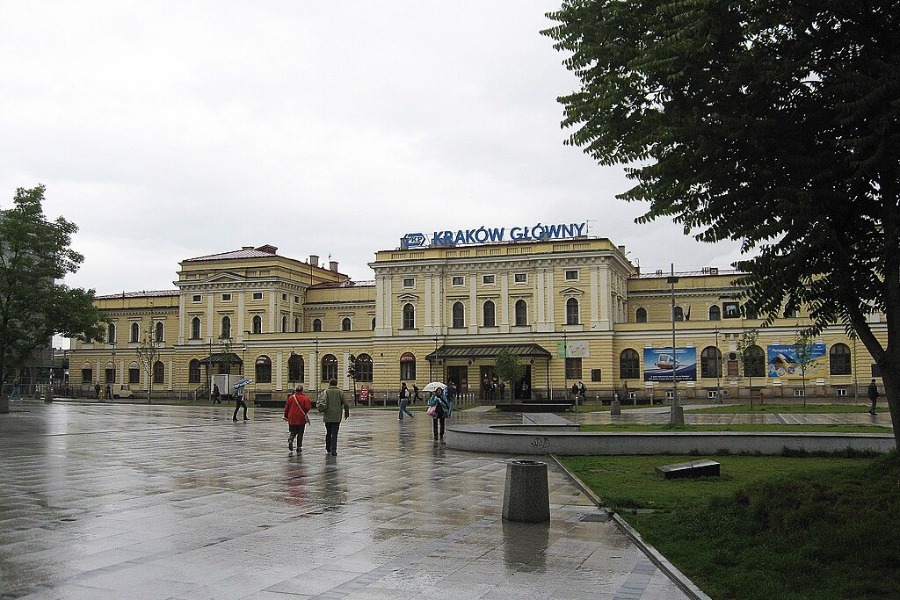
(670, 570)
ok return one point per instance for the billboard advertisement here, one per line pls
(782, 360)
(661, 363)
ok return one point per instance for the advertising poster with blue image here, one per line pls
(660, 363)
(782, 360)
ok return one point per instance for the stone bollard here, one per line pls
(526, 497)
(615, 407)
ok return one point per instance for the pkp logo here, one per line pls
(413, 240)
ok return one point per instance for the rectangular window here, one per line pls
(487, 279)
(196, 298)
(595, 375)
(226, 297)
(296, 299)
(87, 375)
(520, 278)
(134, 375)
(571, 275)
(257, 295)
(409, 282)
(458, 280)
(284, 297)
(731, 309)
(573, 368)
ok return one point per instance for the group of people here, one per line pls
(440, 405)
(333, 406)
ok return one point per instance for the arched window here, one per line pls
(571, 311)
(364, 368)
(345, 324)
(317, 324)
(135, 333)
(521, 310)
(408, 366)
(715, 313)
(283, 324)
(640, 315)
(296, 324)
(159, 332)
(329, 367)
(459, 315)
(295, 368)
(489, 312)
(754, 362)
(409, 316)
(194, 371)
(263, 367)
(711, 362)
(226, 328)
(159, 372)
(839, 359)
(257, 324)
(678, 313)
(629, 365)
(195, 328)
(111, 333)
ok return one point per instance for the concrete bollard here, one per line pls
(615, 407)
(526, 497)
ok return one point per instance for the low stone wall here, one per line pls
(550, 439)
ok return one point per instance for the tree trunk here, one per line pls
(890, 377)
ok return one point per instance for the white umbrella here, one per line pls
(433, 386)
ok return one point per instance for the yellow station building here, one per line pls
(570, 307)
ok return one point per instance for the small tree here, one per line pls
(804, 353)
(508, 368)
(148, 353)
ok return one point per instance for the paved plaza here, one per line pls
(144, 502)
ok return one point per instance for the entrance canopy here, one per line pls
(222, 358)
(488, 351)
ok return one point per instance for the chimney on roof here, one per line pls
(333, 265)
(246, 247)
(314, 260)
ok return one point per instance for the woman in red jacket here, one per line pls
(296, 413)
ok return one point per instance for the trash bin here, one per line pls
(526, 497)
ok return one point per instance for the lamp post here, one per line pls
(315, 369)
(676, 415)
(718, 367)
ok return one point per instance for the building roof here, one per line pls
(141, 294)
(245, 252)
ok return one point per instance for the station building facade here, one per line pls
(571, 309)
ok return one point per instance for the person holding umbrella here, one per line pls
(239, 398)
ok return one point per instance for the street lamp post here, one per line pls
(676, 415)
(718, 367)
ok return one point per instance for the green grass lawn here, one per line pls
(769, 527)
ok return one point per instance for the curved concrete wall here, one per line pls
(523, 439)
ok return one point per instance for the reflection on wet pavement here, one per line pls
(136, 501)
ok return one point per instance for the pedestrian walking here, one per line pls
(296, 413)
(403, 400)
(108, 391)
(97, 389)
(15, 394)
(216, 394)
(415, 395)
(439, 409)
(873, 397)
(332, 405)
(239, 403)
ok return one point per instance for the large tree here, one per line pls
(774, 123)
(34, 256)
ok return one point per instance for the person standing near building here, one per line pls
(216, 394)
(439, 414)
(403, 401)
(333, 404)
(873, 397)
(108, 392)
(97, 389)
(296, 413)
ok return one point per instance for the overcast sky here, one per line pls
(171, 130)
